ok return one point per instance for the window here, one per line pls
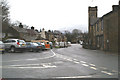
(102, 25)
(7, 41)
(97, 27)
(13, 41)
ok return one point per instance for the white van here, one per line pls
(62, 44)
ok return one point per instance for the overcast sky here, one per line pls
(57, 14)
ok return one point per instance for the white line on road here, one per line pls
(31, 67)
(26, 65)
(106, 72)
(74, 77)
(85, 65)
(67, 58)
(48, 66)
(92, 64)
(76, 62)
(33, 58)
(93, 68)
(82, 61)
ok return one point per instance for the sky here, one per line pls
(57, 14)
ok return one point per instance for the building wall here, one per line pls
(92, 16)
(103, 33)
(43, 34)
(111, 31)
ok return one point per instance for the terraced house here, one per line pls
(103, 31)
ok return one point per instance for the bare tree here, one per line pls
(5, 10)
(5, 14)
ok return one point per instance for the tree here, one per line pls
(5, 15)
(5, 10)
(68, 35)
(76, 32)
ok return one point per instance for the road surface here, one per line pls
(71, 62)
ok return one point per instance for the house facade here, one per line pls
(103, 31)
(19, 33)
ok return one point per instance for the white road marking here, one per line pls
(106, 72)
(82, 61)
(75, 77)
(68, 58)
(85, 65)
(92, 64)
(76, 62)
(26, 65)
(48, 66)
(33, 58)
(93, 68)
(31, 67)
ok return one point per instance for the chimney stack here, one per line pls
(119, 2)
(32, 28)
(115, 7)
(20, 25)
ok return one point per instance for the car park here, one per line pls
(13, 45)
(2, 47)
(32, 46)
(43, 42)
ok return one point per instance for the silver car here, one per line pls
(14, 45)
(2, 47)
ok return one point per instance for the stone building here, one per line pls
(19, 32)
(110, 24)
(92, 17)
(103, 31)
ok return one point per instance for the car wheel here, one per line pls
(12, 49)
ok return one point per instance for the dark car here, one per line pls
(31, 46)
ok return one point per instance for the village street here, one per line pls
(71, 62)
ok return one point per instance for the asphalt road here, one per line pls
(71, 62)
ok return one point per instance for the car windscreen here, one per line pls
(35, 44)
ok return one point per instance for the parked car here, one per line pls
(62, 44)
(69, 43)
(14, 45)
(65, 44)
(57, 45)
(32, 46)
(42, 45)
(2, 47)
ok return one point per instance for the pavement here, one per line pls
(60, 63)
